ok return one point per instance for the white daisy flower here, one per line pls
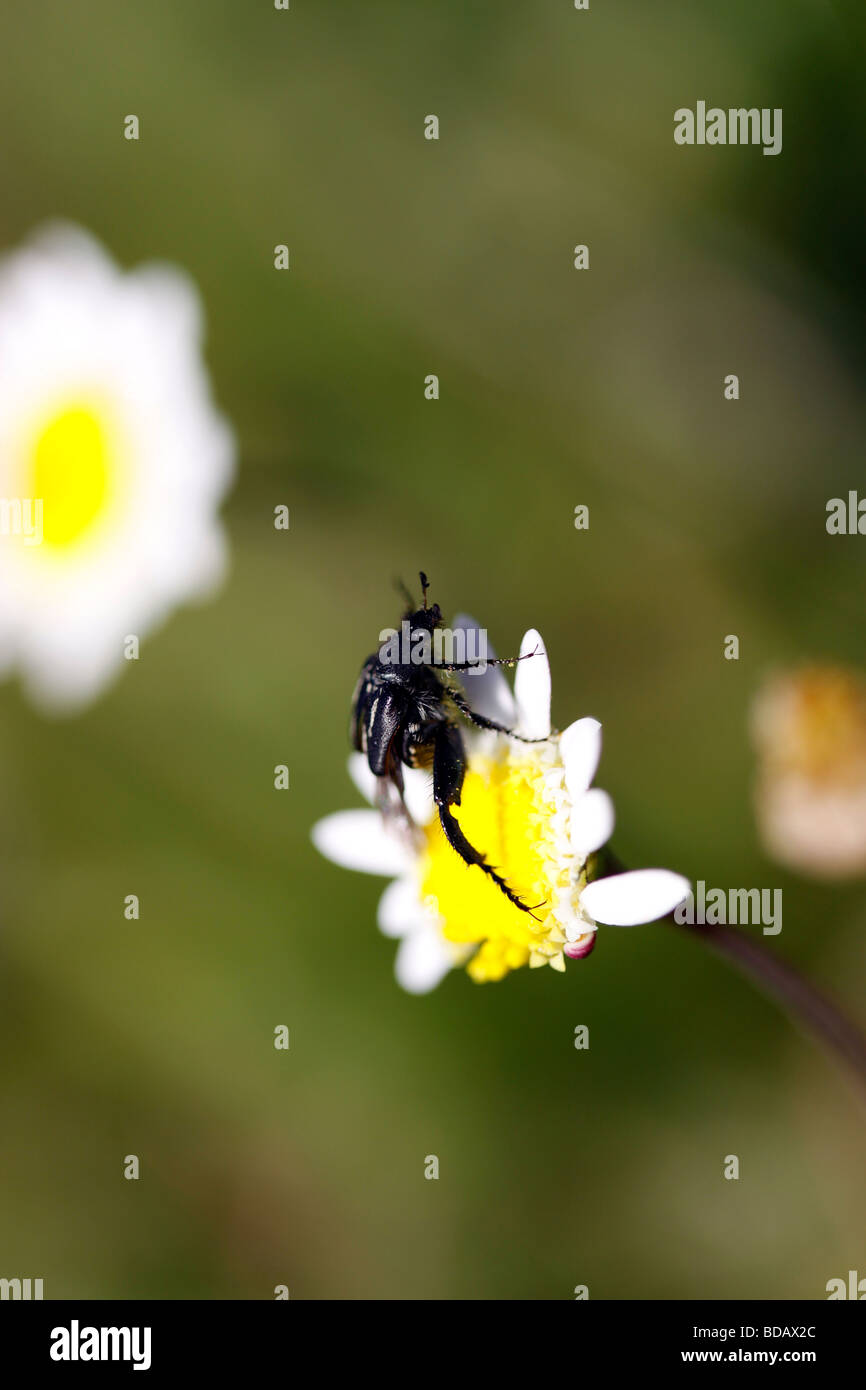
(533, 812)
(113, 461)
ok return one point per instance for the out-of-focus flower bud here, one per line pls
(809, 729)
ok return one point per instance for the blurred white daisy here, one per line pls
(532, 810)
(113, 461)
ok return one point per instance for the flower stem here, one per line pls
(805, 1004)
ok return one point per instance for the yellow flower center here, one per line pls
(514, 811)
(70, 466)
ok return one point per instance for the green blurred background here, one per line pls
(558, 1167)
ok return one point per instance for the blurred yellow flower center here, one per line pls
(70, 473)
(813, 723)
(511, 815)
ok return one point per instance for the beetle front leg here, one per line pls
(482, 722)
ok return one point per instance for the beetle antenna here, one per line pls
(424, 586)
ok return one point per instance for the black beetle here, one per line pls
(407, 712)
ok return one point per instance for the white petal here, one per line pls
(532, 688)
(592, 822)
(626, 900)
(364, 779)
(418, 794)
(487, 691)
(417, 789)
(580, 750)
(423, 959)
(400, 909)
(358, 840)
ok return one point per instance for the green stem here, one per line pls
(805, 1004)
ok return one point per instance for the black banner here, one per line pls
(73, 1338)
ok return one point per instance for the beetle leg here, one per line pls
(482, 665)
(482, 722)
(449, 768)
